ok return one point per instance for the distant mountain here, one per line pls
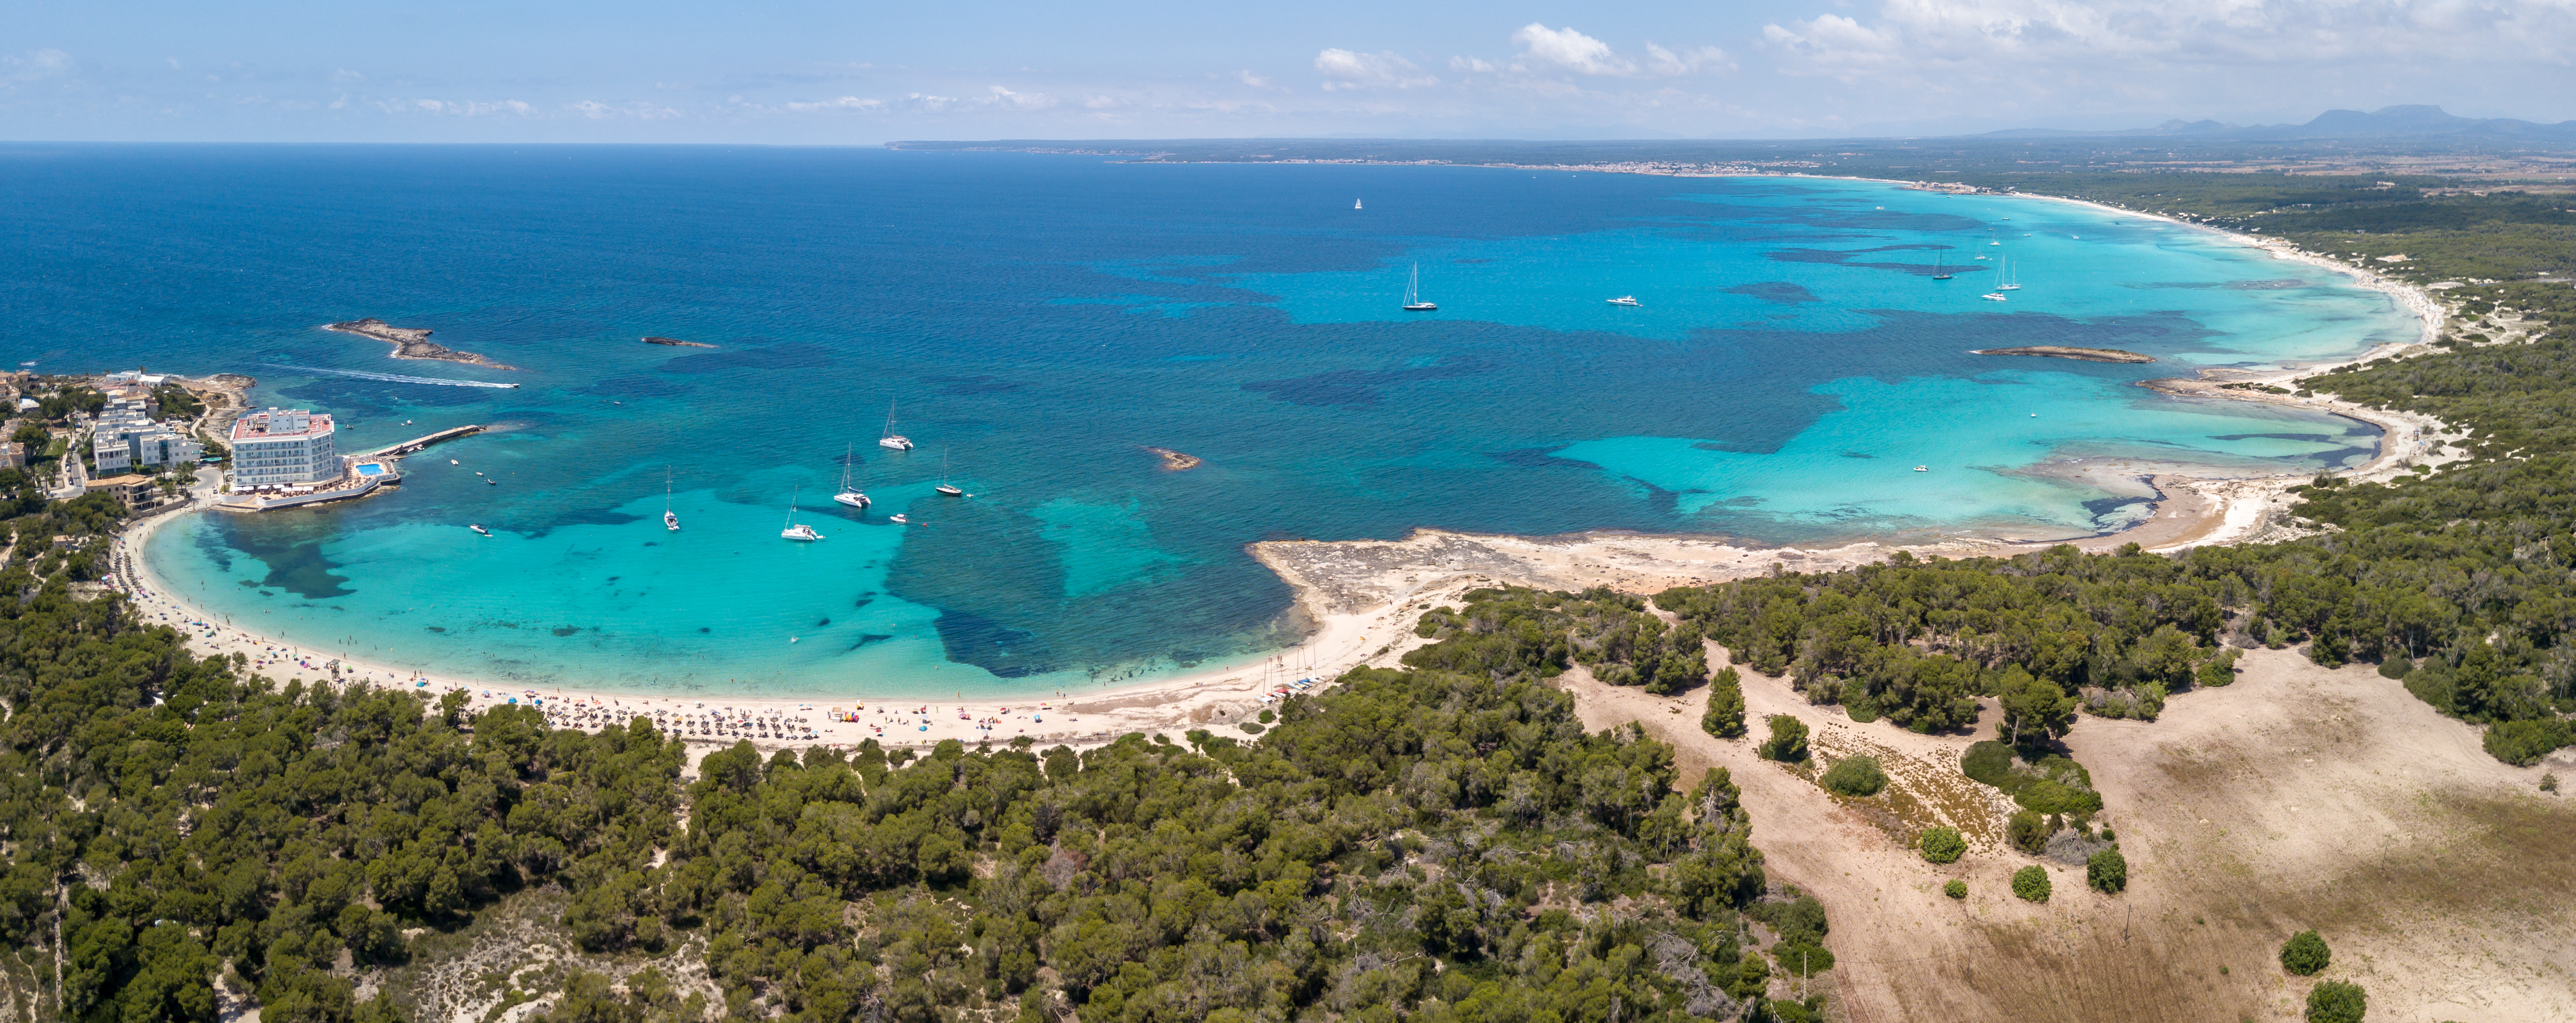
(2414, 121)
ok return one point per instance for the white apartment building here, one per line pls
(283, 447)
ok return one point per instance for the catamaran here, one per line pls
(1413, 302)
(796, 530)
(945, 488)
(850, 495)
(892, 439)
(670, 519)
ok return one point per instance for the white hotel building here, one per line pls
(283, 448)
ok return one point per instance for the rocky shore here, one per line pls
(411, 342)
(2068, 352)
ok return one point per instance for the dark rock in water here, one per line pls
(676, 341)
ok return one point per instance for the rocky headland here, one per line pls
(411, 342)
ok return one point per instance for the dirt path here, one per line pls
(2298, 797)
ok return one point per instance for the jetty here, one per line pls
(417, 443)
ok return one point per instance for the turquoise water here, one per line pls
(1046, 319)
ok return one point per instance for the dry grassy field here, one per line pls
(2297, 798)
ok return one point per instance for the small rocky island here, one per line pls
(1174, 461)
(411, 342)
(676, 341)
(2069, 352)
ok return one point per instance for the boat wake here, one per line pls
(396, 378)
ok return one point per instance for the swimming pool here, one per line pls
(371, 469)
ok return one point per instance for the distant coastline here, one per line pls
(411, 342)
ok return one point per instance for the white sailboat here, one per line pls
(796, 530)
(1355, 204)
(670, 519)
(945, 488)
(850, 495)
(892, 439)
(1413, 302)
(2011, 280)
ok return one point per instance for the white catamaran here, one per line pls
(892, 439)
(850, 495)
(796, 530)
(1413, 302)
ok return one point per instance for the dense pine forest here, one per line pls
(1438, 842)
(1442, 842)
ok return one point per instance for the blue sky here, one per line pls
(859, 73)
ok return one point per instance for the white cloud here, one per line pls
(1346, 69)
(2175, 34)
(1248, 78)
(865, 106)
(346, 75)
(1555, 51)
(37, 65)
(1689, 61)
(1002, 97)
(641, 111)
(1572, 50)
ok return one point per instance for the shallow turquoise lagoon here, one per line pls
(1045, 320)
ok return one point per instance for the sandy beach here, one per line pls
(1359, 597)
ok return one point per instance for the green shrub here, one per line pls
(1253, 727)
(2031, 883)
(2028, 832)
(2305, 954)
(1268, 717)
(1788, 741)
(2107, 871)
(1991, 762)
(1802, 959)
(2523, 743)
(2054, 784)
(2396, 667)
(2337, 1002)
(1785, 1011)
(1956, 889)
(1943, 844)
(1725, 715)
(1856, 776)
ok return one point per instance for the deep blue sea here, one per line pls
(1045, 319)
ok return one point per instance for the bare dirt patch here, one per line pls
(2297, 798)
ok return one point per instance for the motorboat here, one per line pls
(479, 529)
(899, 519)
(1626, 300)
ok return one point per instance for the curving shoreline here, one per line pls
(1359, 597)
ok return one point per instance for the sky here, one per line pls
(870, 72)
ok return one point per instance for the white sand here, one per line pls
(1361, 596)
